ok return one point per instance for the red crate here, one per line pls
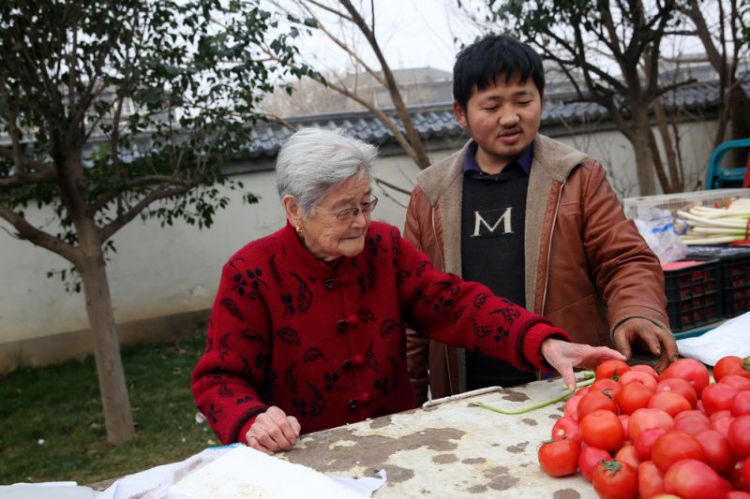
(734, 264)
(693, 295)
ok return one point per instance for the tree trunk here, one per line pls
(740, 116)
(117, 414)
(641, 148)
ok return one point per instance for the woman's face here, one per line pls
(333, 230)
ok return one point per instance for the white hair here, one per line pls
(313, 160)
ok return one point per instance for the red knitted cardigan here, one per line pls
(326, 342)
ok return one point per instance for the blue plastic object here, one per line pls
(723, 178)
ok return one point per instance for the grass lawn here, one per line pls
(52, 427)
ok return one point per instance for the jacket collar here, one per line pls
(554, 158)
(443, 182)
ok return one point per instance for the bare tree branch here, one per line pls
(28, 178)
(274, 118)
(379, 114)
(120, 221)
(419, 155)
(396, 188)
(336, 40)
(38, 237)
(331, 10)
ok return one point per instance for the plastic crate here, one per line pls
(734, 262)
(639, 207)
(693, 295)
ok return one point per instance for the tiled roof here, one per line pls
(436, 121)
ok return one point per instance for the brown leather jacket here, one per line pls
(587, 267)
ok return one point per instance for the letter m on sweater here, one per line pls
(483, 227)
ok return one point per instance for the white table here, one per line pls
(450, 449)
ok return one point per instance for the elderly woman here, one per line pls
(307, 329)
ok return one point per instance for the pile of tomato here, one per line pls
(634, 432)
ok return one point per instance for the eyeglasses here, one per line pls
(349, 214)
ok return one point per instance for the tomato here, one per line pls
(650, 480)
(718, 453)
(628, 455)
(741, 404)
(566, 428)
(602, 429)
(731, 365)
(693, 478)
(645, 418)
(737, 494)
(570, 409)
(674, 446)
(737, 476)
(559, 457)
(594, 401)
(717, 397)
(739, 436)
(632, 397)
(690, 370)
(638, 377)
(611, 368)
(669, 402)
(608, 386)
(745, 473)
(691, 413)
(589, 459)
(645, 442)
(722, 425)
(740, 383)
(646, 369)
(719, 415)
(692, 423)
(624, 420)
(678, 385)
(615, 480)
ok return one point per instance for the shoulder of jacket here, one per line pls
(260, 246)
(434, 179)
(559, 159)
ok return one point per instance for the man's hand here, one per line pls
(659, 341)
(273, 431)
(564, 356)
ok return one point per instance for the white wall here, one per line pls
(157, 271)
(616, 153)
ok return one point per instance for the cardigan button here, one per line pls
(355, 361)
(363, 399)
(341, 326)
(329, 283)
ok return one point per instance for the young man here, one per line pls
(533, 219)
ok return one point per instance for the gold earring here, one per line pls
(298, 229)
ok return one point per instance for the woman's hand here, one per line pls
(273, 431)
(564, 356)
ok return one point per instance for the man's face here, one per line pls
(503, 119)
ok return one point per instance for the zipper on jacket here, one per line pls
(549, 247)
(442, 266)
(435, 237)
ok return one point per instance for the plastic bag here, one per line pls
(659, 233)
(730, 338)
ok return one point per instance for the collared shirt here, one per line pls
(523, 160)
